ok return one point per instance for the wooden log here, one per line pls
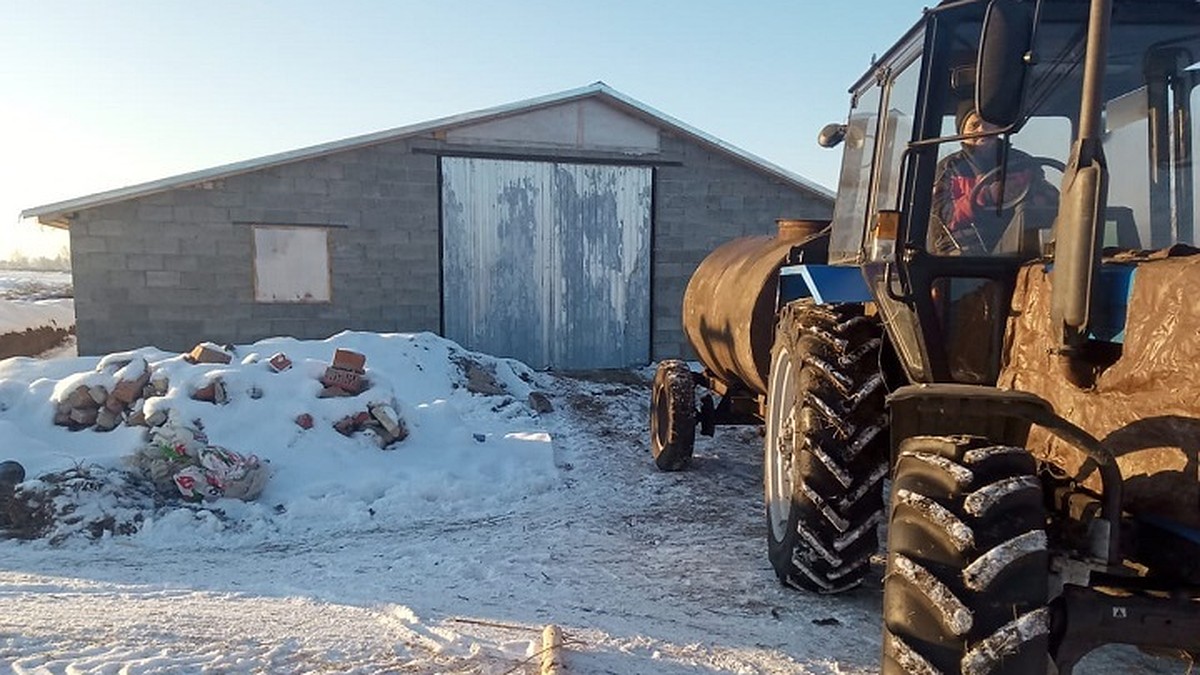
(552, 657)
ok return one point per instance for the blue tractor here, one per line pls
(1001, 323)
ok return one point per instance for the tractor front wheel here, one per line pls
(966, 584)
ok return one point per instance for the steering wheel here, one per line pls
(985, 181)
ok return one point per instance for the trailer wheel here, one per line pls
(826, 446)
(673, 415)
(966, 585)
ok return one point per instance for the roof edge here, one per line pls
(56, 214)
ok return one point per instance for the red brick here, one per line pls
(204, 353)
(343, 379)
(128, 391)
(206, 393)
(347, 359)
(280, 362)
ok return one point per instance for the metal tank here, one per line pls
(729, 304)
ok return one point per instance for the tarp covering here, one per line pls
(1145, 407)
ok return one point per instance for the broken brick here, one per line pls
(80, 397)
(344, 379)
(128, 391)
(348, 359)
(83, 417)
(107, 420)
(279, 362)
(207, 352)
(346, 426)
(136, 418)
(213, 392)
(390, 421)
(304, 420)
(333, 392)
(114, 404)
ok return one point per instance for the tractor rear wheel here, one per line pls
(673, 415)
(966, 584)
(826, 446)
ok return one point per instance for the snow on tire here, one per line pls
(673, 415)
(826, 446)
(966, 584)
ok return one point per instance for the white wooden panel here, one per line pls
(291, 264)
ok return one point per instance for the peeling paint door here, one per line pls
(548, 263)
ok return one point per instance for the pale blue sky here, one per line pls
(100, 95)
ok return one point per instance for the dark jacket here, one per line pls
(958, 226)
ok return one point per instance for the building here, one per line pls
(560, 230)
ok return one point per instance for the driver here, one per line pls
(962, 225)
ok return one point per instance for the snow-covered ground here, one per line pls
(447, 552)
(34, 285)
(39, 301)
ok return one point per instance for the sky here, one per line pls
(96, 96)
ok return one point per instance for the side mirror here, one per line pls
(1002, 65)
(831, 135)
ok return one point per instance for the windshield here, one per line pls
(997, 194)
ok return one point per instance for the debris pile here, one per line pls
(89, 500)
(178, 459)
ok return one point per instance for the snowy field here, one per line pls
(446, 552)
(36, 310)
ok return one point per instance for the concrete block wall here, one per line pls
(175, 268)
(704, 202)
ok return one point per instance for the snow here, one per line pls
(979, 502)
(1007, 640)
(959, 533)
(980, 573)
(447, 552)
(955, 614)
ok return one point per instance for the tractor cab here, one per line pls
(957, 170)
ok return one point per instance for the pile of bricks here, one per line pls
(346, 376)
(96, 406)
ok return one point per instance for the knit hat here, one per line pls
(965, 107)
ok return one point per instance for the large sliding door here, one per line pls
(548, 263)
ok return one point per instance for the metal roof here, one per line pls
(56, 214)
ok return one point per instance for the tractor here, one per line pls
(1016, 379)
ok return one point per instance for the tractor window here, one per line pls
(1025, 168)
(996, 195)
(850, 211)
(897, 132)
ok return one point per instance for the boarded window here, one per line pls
(291, 264)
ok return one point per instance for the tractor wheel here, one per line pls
(826, 446)
(673, 416)
(966, 584)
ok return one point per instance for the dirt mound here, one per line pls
(33, 341)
